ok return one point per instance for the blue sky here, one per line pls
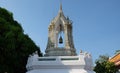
(96, 23)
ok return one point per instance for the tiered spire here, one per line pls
(60, 11)
(60, 24)
(60, 6)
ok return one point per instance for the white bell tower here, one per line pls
(60, 58)
(60, 32)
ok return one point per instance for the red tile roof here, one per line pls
(116, 59)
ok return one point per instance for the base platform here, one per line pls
(60, 64)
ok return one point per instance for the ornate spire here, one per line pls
(60, 45)
(60, 6)
(60, 11)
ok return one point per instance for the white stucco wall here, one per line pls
(60, 64)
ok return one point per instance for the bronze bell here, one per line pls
(60, 40)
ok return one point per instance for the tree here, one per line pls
(104, 66)
(15, 46)
(117, 51)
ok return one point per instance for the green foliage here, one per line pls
(102, 58)
(117, 51)
(104, 66)
(15, 46)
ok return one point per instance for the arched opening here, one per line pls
(60, 36)
(61, 39)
